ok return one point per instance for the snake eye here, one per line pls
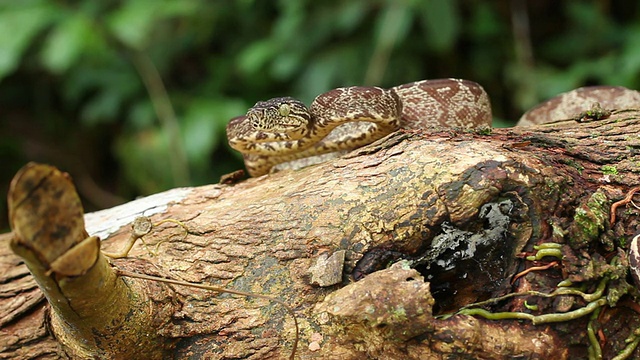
(284, 109)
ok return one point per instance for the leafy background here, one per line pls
(132, 97)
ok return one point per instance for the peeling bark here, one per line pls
(459, 208)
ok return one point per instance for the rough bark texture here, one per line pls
(415, 196)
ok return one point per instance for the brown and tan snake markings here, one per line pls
(284, 133)
(572, 104)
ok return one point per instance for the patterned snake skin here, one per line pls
(283, 133)
(282, 130)
(568, 105)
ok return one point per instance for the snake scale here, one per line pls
(283, 130)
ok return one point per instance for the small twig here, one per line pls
(141, 226)
(533, 268)
(627, 199)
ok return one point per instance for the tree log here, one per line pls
(457, 212)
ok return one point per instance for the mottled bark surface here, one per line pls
(461, 208)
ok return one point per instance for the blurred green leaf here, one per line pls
(104, 106)
(135, 149)
(203, 126)
(442, 23)
(350, 16)
(142, 115)
(104, 91)
(67, 42)
(199, 132)
(391, 28)
(133, 22)
(629, 69)
(286, 65)
(393, 24)
(18, 26)
(292, 16)
(485, 22)
(319, 76)
(256, 56)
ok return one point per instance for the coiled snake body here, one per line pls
(283, 130)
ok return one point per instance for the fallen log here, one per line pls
(459, 212)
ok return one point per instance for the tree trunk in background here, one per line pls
(460, 208)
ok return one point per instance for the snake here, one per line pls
(283, 129)
(569, 104)
(283, 133)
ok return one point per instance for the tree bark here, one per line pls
(458, 210)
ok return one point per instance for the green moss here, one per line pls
(574, 164)
(589, 220)
(622, 242)
(399, 313)
(609, 170)
(552, 189)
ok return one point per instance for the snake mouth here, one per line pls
(294, 126)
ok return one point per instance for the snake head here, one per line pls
(282, 114)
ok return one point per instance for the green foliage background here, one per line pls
(132, 97)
